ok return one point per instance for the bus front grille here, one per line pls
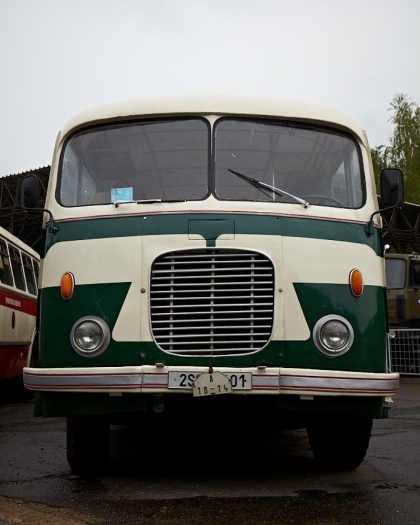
(212, 302)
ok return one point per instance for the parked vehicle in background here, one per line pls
(403, 300)
(403, 290)
(217, 258)
(19, 269)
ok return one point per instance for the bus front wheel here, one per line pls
(339, 443)
(87, 443)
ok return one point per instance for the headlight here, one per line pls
(333, 335)
(90, 336)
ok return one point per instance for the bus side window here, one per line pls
(5, 270)
(36, 270)
(29, 274)
(17, 268)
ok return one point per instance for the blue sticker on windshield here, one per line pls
(121, 194)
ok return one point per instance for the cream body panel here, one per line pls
(24, 325)
(215, 105)
(323, 261)
(7, 332)
(212, 205)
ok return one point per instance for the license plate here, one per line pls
(211, 384)
(185, 380)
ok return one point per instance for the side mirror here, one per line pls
(29, 192)
(392, 187)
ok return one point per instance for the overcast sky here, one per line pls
(58, 57)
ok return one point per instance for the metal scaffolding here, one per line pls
(401, 228)
(27, 226)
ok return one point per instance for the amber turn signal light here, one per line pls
(356, 283)
(67, 286)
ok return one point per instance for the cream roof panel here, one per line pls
(216, 105)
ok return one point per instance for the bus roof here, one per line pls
(216, 105)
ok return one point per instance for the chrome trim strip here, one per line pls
(265, 381)
(80, 379)
(337, 382)
(155, 379)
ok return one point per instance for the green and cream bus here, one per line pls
(217, 256)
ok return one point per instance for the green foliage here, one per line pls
(404, 150)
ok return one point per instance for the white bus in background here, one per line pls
(19, 269)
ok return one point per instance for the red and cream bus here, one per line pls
(19, 268)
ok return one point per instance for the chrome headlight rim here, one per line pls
(103, 344)
(317, 335)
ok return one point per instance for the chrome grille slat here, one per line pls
(195, 343)
(204, 352)
(191, 298)
(214, 305)
(205, 334)
(203, 270)
(224, 290)
(205, 327)
(212, 302)
(191, 285)
(189, 276)
(156, 321)
(205, 312)
(215, 257)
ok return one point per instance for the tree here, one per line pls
(404, 150)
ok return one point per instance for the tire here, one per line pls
(87, 444)
(340, 443)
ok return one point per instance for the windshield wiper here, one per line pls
(258, 184)
(145, 201)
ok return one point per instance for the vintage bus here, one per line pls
(213, 256)
(19, 269)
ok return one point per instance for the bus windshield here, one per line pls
(320, 166)
(169, 160)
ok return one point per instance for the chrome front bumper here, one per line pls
(155, 379)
